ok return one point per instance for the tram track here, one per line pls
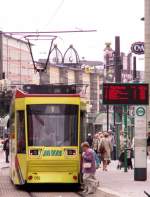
(54, 194)
(48, 190)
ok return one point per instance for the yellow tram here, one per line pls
(45, 134)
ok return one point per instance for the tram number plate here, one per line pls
(36, 178)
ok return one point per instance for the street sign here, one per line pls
(137, 48)
(140, 111)
(140, 152)
(125, 94)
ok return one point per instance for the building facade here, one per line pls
(147, 51)
(15, 60)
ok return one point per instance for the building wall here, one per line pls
(63, 75)
(71, 76)
(94, 91)
(147, 51)
(79, 76)
(54, 74)
(17, 64)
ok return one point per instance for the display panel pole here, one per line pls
(140, 146)
(107, 118)
(118, 140)
(118, 79)
(125, 107)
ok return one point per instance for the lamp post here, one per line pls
(108, 60)
(117, 109)
(134, 68)
(125, 111)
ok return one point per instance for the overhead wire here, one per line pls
(55, 13)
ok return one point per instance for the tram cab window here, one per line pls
(21, 142)
(52, 125)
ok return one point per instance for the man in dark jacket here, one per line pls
(6, 148)
(90, 139)
(148, 145)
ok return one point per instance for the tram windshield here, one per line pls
(52, 125)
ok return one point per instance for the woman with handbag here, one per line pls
(105, 149)
(88, 169)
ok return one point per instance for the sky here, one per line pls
(109, 17)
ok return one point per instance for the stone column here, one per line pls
(78, 77)
(63, 75)
(44, 77)
(147, 51)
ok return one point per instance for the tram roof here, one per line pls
(48, 91)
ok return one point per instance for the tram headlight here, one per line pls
(70, 152)
(34, 152)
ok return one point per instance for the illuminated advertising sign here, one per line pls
(138, 48)
(125, 94)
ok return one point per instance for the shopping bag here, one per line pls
(87, 165)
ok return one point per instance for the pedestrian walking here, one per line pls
(121, 141)
(105, 149)
(148, 144)
(132, 147)
(112, 141)
(90, 140)
(122, 152)
(129, 158)
(95, 143)
(88, 169)
(6, 148)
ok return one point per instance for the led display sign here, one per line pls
(125, 94)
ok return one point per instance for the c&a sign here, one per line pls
(137, 48)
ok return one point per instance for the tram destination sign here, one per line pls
(125, 94)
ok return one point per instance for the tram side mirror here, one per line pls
(149, 124)
(8, 123)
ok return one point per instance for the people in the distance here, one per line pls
(6, 148)
(148, 144)
(105, 149)
(90, 139)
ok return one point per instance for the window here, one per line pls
(11, 121)
(52, 125)
(21, 142)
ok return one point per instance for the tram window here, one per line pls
(21, 142)
(52, 125)
(11, 125)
